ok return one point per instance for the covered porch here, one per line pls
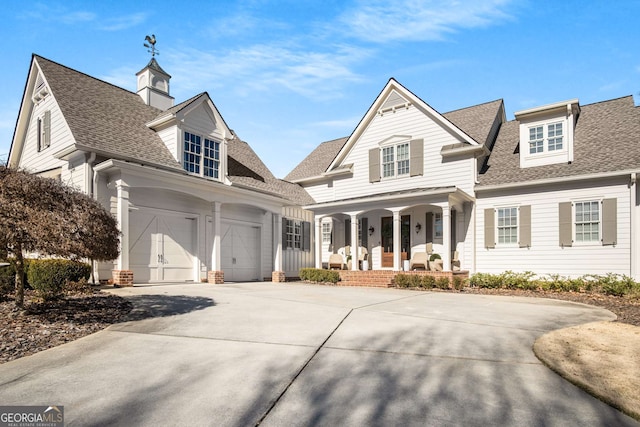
(397, 231)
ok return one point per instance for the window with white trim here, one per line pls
(437, 225)
(507, 225)
(203, 161)
(326, 232)
(294, 234)
(395, 160)
(546, 137)
(587, 221)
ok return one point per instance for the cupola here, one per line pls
(153, 82)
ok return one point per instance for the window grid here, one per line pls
(536, 139)
(437, 225)
(192, 150)
(587, 221)
(294, 234)
(403, 159)
(326, 233)
(211, 158)
(554, 133)
(507, 225)
(387, 162)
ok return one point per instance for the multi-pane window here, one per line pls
(192, 150)
(395, 160)
(403, 159)
(294, 234)
(536, 139)
(437, 225)
(587, 221)
(211, 158)
(552, 133)
(507, 225)
(326, 232)
(388, 163)
(199, 158)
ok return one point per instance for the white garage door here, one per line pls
(161, 246)
(240, 254)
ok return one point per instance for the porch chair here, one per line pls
(336, 261)
(429, 248)
(419, 259)
(363, 255)
(455, 261)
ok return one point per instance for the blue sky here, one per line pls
(287, 75)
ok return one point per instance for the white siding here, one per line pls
(414, 124)
(545, 256)
(61, 137)
(295, 259)
(172, 138)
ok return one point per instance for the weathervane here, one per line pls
(152, 45)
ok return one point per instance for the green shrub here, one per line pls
(48, 276)
(7, 280)
(428, 282)
(434, 257)
(618, 286)
(319, 275)
(485, 280)
(458, 283)
(442, 282)
(513, 280)
(408, 281)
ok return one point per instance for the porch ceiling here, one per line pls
(409, 197)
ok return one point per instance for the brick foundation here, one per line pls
(122, 278)
(215, 277)
(385, 278)
(278, 277)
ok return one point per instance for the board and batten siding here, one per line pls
(61, 137)
(415, 125)
(295, 259)
(545, 255)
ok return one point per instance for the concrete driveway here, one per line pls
(293, 354)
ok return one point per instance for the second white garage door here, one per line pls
(240, 254)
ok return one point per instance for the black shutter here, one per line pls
(284, 233)
(365, 232)
(306, 236)
(429, 227)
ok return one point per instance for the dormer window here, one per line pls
(546, 133)
(196, 159)
(546, 138)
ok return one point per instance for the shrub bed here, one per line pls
(49, 276)
(319, 275)
(608, 284)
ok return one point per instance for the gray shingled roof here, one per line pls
(246, 168)
(607, 136)
(318, 160)
(475, 121)
(112, 121)
(106, 118)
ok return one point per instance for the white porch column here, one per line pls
(216, 264)
(446, 237)
(397, 244)
(354, 242)
(318, 233)
(277, 236)
(122, 195)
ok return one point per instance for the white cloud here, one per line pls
(263, 68)
(124, 77)
(349, 123)
(381, 21)
(123, 22)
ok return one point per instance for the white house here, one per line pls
(193, 201)
(553, 191)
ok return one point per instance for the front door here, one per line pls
(386, 226)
